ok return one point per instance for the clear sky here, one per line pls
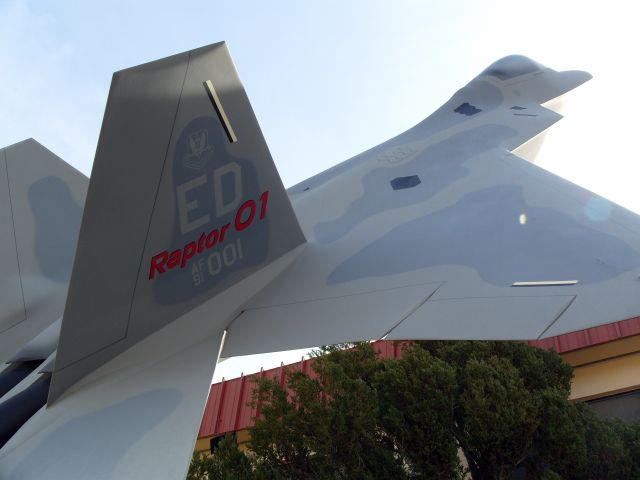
(330, 79)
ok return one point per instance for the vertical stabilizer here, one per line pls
(184, 202)
(41, 201)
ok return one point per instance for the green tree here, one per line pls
(630, 435)
(507, 399)
(227, 463)
(503, 405)
(512, 414)
(351, 419)
(417, 395)
(607, 456)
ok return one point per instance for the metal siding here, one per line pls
(247, 413)
(573, 341)
(228, 407)
(630, 327)
(603, 334)
(589, 337)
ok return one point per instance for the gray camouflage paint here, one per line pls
(131, 418)
(466, 234)
(242, 251)
(481, 93)
(478, 219)
(166, 199)
(371, 269)
(438, 166)
(57, 217)
(40, 214)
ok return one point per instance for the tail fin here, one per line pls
(41, 200)
(184, 201)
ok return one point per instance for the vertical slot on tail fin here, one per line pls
(222, 115)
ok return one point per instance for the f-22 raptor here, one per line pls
(119, 294)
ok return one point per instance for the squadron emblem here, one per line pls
(199, 152)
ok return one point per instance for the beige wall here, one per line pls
(204, 444)
(605, 369)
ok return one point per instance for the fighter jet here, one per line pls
(120, 293)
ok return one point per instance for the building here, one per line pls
(606, 361)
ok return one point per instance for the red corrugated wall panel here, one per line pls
(591, 336)
(630, 327)
(246, 413)
(227, 408)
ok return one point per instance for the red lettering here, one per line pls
(157, 264)
(240, 225)
(188, 253)
(201, 242)
(165, 260)
(174, 259)
(212, 238)
(223, 231)
(263, 204)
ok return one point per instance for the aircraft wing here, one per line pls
(444, 232)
